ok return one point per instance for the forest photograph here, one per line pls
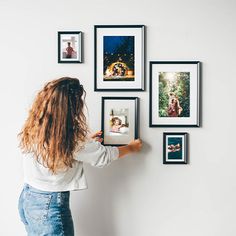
(174, 94)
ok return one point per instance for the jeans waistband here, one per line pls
(28, 187)
(57, 198)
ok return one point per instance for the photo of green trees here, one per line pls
(174, 94)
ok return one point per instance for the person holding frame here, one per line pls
(55, 135)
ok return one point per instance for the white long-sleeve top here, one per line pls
(94, 153)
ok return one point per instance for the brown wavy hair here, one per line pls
(56, 126)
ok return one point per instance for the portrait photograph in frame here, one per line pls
(69, 47)
(174, 94)
(175, 148)
(119, 52)
(120, 120)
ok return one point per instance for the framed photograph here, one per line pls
(120, 119)
(175, 149)
(119, 57)
(70, 47)
(174, 93)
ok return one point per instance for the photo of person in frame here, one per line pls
(69, 50)
(174, 94)
(69, 47)
(174, 108)
(118, 122)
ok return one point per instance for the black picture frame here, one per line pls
(142, 59)
(79, 48)
(135, 118)
(167, 159)
(197, 117)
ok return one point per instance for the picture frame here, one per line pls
(119, 58)
(174, 94)
(70, 47)
(119, 120)
(175, 148)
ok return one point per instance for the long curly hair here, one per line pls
(56, 127)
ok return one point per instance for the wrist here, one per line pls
(130, 148)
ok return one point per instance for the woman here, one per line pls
(56, 136)
(116, 124)
(174, 109)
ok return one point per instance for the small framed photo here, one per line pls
(175, 148)
(119, 57)
(174, 93)
(120, 119)
(70, 47)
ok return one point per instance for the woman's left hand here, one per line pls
(97, 136)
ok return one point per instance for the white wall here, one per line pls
(138, 195)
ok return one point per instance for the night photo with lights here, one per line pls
(118, 58)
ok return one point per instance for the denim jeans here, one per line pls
(45, 213)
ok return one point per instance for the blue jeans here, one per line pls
(45, 213)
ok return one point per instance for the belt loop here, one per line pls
(26, 186)
(59, 197)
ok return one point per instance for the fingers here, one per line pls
(98, 139)
(97, 134)
(139, 144)
(136, 145)
(139, 140)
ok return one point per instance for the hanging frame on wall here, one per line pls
(175, 148)
(120, 120)
(174, 94)
(70, 47)
(119, 57)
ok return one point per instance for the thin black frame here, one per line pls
(185, 151)
(143, 27)
(136, 118)
(80, 46)
(198, 64)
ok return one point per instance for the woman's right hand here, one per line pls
(135, 145)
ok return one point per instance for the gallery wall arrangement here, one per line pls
(119, 65)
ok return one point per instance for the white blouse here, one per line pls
(41, 178)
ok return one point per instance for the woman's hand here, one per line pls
(97, 136)
(133, 146)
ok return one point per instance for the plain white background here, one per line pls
(138, 195)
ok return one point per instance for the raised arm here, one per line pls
(98, 155)
(133, 146)
(95, 154)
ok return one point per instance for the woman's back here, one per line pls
(55, 138)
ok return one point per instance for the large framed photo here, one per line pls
(174, 93)
(119, 57)
(175, 148)
(70, 47)
(120, 118)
